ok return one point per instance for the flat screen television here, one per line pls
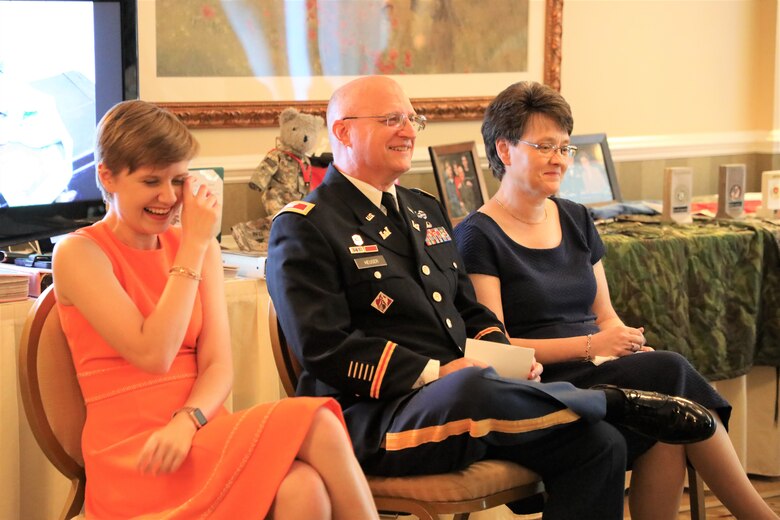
(63, 64)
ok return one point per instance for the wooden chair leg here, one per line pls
(696, 491)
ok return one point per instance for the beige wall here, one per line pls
(696, 75)
(640, 67)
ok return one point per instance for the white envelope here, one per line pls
(508, 360)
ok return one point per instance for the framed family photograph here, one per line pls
(238, 63)
(591, 178)
(459, 178)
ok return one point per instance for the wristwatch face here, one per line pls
(200, 419)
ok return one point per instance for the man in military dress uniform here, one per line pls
(372, 296)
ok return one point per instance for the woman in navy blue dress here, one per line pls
(535, 261)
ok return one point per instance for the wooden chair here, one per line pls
(483, 485)
(52, 398)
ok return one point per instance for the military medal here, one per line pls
(382, 302)
(436, 236)
(357, 240)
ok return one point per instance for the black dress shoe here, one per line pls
(666, 418)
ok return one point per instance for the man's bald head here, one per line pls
(359, 95)
(363, 144)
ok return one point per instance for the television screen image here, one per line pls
(63, 64)
(47, 93)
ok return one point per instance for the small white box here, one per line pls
(249, 264)
(731, 191)
(678, 193)
(770, 195)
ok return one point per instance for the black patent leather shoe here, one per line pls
(666, 418)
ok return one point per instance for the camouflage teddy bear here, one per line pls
(282, 176)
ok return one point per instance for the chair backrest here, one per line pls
(287, 364)
(51, 396)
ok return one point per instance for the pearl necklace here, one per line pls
(521, 220)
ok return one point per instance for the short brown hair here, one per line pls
(507, 116)
(133, 134)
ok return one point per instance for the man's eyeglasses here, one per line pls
(397, 120)
(547, 149)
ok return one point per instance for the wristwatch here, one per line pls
(195, 415)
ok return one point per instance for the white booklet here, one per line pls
(508, 360)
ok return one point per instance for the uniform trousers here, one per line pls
(553, 429)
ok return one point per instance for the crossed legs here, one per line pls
(325, 481)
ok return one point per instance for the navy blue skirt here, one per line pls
(658, 371)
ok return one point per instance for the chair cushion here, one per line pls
(481, 479)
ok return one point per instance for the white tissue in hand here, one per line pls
(602, 359)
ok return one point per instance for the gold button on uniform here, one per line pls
(377, 275)
(449, 323)
(436, 296)
(426, 270)
(455, 265)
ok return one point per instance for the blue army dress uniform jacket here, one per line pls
(364, 306)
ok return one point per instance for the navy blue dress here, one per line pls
(548, 293)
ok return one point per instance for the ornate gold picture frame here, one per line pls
(247, 114)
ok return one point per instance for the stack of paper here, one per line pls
(13, 286)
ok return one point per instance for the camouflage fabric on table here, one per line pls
(697, 290)
(768, 341)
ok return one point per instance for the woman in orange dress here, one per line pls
(143, 307)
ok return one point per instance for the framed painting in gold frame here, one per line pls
(230, 101)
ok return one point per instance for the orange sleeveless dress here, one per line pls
(237, 461)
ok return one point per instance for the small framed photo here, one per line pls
(459, 178)
(591, 179)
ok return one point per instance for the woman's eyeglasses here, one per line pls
(547, 149)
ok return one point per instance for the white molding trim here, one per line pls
(239, 168)
(642, 148)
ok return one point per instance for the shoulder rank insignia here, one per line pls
(422, 192)
(297, 206)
